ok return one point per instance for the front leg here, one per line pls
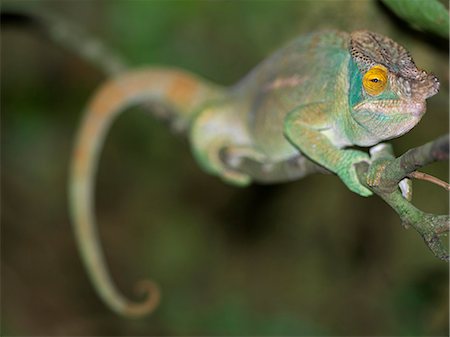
(304, 129)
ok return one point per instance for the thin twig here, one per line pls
(430, 178)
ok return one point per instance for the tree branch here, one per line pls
(384, 175)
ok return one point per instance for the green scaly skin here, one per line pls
(308, 100)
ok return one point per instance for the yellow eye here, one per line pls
(375, 80)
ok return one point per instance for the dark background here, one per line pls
(303, 258)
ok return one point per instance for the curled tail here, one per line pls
(178, 91)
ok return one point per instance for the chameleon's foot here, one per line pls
(381, 155)
(347, 172)
(233, 156)
(220, 159)
(376, 170)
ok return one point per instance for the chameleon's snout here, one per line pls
(417, 87)
(435, 86)
(425, 85)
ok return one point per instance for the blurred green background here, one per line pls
(303, 258)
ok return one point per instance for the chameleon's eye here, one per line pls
(375, 80)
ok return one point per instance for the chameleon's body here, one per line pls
(294, 114)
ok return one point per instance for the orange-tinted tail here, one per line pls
(180, 93)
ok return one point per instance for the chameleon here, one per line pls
(303, 109)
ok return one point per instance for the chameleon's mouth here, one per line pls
(386, 119)
(391, 108)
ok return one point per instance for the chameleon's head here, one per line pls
(387, 91)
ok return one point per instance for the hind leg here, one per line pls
(219, 141)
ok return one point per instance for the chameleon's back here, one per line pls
(308, 70)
